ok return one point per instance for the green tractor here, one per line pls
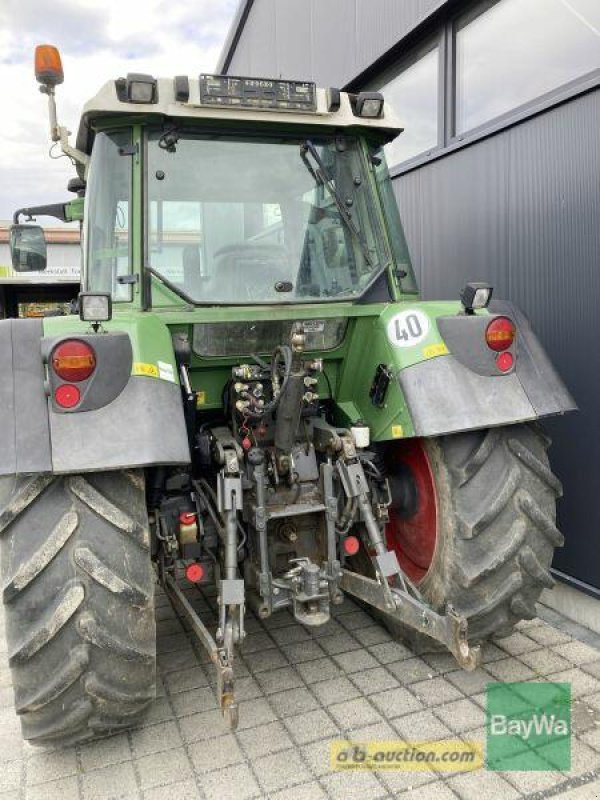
(253, 400)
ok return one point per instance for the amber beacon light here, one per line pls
(48, 65)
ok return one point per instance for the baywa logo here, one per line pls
(528, 726)
(538, 725)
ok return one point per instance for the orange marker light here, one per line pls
(73, 360)
(48, 66)
(500, 334)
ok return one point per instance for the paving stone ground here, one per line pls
(299, 689)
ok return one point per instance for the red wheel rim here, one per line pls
(412, 532)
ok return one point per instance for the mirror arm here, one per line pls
(57, 210)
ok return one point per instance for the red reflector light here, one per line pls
(67, 396)
(187, 518)
(500, 334)
(73, 360)
(351, 545)
(504, 361)
(194, 572)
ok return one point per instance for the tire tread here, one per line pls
(497, 508)
(78, 622)
(509, 506)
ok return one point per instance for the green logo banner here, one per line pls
(528, 726)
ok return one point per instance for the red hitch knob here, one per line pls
(351, 545)
(194, 572)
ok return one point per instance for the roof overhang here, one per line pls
(107, 104)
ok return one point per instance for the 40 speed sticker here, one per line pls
(408, 328)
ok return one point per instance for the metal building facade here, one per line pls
(329, 42)
(517, 205)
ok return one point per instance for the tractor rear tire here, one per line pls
(496, 528)
(78, 586)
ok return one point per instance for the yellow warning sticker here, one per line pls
(438, 349)
(200, 398)
(397, 431)
(140, 368)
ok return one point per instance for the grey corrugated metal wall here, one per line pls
(327, 41)
(520, 208)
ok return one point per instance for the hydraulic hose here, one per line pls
(281, 353)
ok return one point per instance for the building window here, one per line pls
(413, 95)
(518, 50)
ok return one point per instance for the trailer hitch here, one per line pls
(449, 628)
(221, 657)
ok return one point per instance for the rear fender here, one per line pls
(130, 413)
(443, 377)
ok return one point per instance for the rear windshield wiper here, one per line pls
(168, 140)
(322, 177)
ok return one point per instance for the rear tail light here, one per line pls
(500, 334)
(504, 361)
(67, 395)
(73, 360)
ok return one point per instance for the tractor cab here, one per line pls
(251, 192)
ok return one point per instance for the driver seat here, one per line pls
(192, 270)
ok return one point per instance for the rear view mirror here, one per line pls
(27, 248)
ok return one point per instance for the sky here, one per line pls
(99, 40)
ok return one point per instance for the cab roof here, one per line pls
(111, 101)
